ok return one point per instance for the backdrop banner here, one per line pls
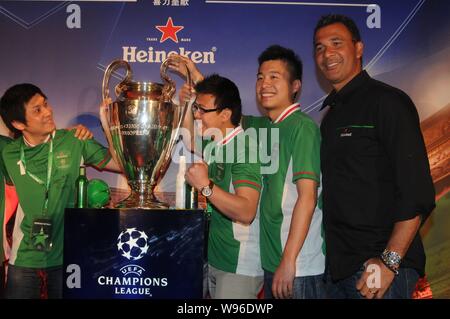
(65, 46)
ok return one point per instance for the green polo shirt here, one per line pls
(233, 247)
(292, 145)
(68, 153)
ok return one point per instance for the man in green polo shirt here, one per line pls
(291, 241)
(230, 179)
(290, 221)
(42, 164)
(9, 201)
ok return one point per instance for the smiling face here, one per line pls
(337, 55)
(39, 119)
(274, 89)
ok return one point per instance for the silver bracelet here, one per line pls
(391, 260)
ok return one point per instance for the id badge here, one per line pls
(41, 234)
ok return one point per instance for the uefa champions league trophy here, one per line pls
(143, 128)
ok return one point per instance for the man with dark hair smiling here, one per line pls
(42, 163)
(231, 182)
(377, 188)
(291, 241)
(290, 219)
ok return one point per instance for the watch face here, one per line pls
(206, 191)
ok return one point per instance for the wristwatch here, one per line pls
(208, 189)
(392, 260)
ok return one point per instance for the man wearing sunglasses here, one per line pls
(290, 221)
(230, 180)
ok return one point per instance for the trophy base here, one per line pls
(143, 201)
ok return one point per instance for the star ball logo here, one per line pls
(132, 243)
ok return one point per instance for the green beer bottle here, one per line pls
(191, 197)
(81, 185)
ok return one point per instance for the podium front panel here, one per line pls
(133, 253)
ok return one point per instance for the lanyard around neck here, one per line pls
(22, 162)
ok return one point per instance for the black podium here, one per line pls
(133, 253)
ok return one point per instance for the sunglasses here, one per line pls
(199, 108)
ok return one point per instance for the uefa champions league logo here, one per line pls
(132, 243)
(131, 281)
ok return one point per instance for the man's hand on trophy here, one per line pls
(81, 132)
(177, 63)
(186, 93)
(197, 175)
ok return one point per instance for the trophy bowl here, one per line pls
(143, 126)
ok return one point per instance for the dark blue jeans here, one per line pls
(402, 286)
(30, 283)
(308, 287)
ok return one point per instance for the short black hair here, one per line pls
(12, 104)
(226, 94)
(293, 61)
(339, 18)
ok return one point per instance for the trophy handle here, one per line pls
(168, 92)
(169, 84)
(113, 66)
(105, 113)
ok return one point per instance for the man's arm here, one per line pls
(399, 242)
(187, 93)
(301, 219)
(240, 207)
(81, 132)
(403, 235)
(114, 164)
(177, 62)
(400, 135)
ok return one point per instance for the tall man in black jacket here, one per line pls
(377, 188)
